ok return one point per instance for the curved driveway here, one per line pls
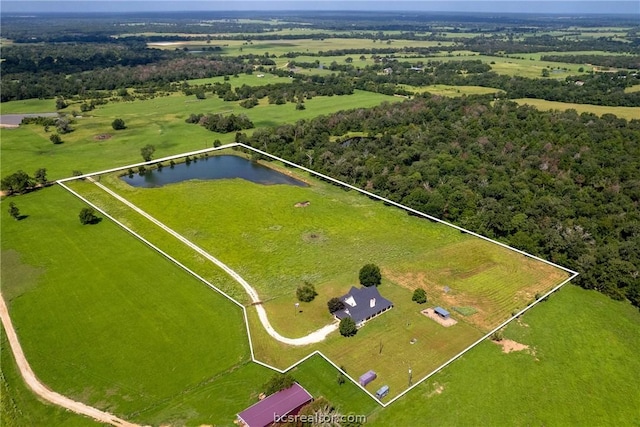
(312, 338)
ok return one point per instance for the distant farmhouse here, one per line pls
(363, 304)
(275, 407)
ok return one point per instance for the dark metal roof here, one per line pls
(362, 309)
(281, 403)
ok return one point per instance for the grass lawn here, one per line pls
(579, 370)
(20, 407)
(257, 231)
(159, 121)
(634, 88)
(131, 328)
(628, 113)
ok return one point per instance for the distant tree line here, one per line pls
(615, 61)
(560, 185)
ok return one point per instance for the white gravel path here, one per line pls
(311, 338)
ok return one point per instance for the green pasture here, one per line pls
(159, 121)
(20, 407)
(280, 47)
(104, 319)
(582, 354)
(258, 232)
(447, 90)
(628, 113)
(28, 106)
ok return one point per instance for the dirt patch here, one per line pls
(313, 237)
(509, 345)
(433, 316)
(446, 298)
(302, 204)
(102, 137)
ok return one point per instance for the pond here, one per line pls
(214, 167)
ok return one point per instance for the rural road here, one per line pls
(313, 337)
(40, 389)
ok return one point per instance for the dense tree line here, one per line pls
(69, 58)
(157, 75)
(546, 43)
(560, 185)
(615, 61)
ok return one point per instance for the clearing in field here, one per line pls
(258, 231)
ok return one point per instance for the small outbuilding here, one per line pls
(367, 378)
(382, 391)
(441, 312)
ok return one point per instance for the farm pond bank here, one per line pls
(214, 167)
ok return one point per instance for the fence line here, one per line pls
(367, 193)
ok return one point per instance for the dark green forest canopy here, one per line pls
(559, 185)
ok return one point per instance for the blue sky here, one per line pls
(504, 6)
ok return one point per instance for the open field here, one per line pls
(582, 354)
(282, 246)
(280, 47)
(133, 328)
(18, 405)
(446, 90)
(628, 113)
(158, 121)
(634, 88)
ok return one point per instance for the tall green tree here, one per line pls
(147, 152)
(41, 176)
(370, 275)
(347, 327)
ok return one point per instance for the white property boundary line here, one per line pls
(335, 181)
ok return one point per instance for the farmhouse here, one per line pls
(275, 407)
(363, 304)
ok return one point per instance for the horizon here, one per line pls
(541, 7)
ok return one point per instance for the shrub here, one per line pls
(118, 124)
(419, 296)
(306, 292)
(55, 138)
(88, 216)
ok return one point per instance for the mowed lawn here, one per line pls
(104, 319)
(159, 121)
(628, 113)
(256, 230)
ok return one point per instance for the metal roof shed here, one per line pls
(284, 402)
(441, 312)
(367, 378)
(382, 391)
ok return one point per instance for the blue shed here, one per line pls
(441, 312)
(367, 378)
(382, 392)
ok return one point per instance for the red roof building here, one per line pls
(274, 407)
